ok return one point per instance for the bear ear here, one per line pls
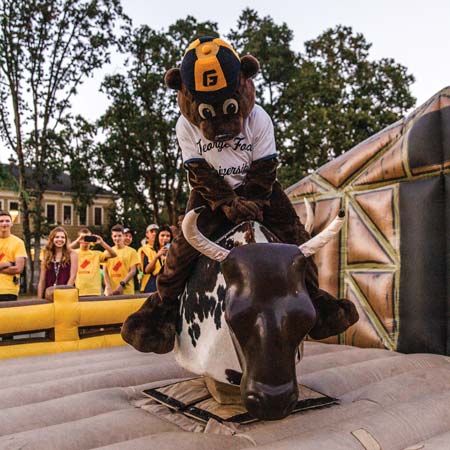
(249, 66)
(172, 78)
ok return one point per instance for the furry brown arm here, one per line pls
(209, 184)
(259, 180)
(212, 187)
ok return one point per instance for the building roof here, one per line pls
(60, 182)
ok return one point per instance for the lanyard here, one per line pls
(57, 268)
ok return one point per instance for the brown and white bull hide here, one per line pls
(203, 345)
(242, 321)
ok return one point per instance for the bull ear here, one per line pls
(333, 316)
(249, 66)
(172, 78)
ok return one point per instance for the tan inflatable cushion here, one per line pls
(93, 399)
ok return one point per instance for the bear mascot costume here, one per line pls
(228, 149)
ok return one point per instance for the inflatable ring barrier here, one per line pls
(95, 399)
(392, 256)
(68, 323)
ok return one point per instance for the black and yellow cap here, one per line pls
(210, 69)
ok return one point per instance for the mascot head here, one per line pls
(215, 88)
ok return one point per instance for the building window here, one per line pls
(14, 206)
(98, 216)
(67, 214)
(1, 205)
(82, 217)
(50, 213)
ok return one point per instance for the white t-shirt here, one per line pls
(231, 159)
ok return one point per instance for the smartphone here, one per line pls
(90, 239)
(167, 245)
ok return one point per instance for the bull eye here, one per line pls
(206, 111)
(230, 106)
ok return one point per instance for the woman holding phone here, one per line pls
(153, 262)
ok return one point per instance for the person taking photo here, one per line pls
(120, 270)
(88, 279)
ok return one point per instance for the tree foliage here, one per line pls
(77, 147)
(325, 100)
(47, 48)
(271, 44)
(338, 98)
(7, 179)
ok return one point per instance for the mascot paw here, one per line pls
(333, 316)
(152, 327)
(241, 210)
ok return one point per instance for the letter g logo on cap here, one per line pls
(210, 78)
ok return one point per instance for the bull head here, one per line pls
(268, 311)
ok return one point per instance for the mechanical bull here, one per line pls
(246, 311)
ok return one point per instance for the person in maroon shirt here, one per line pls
(59, 263)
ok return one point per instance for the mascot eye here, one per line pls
(230, 106)
(206, 111)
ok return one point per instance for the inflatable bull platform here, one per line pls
(391, 258)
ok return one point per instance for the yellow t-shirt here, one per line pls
(119, 267)
(150, 252)
(10, 248)
(88, 279)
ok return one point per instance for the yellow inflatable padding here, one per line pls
(45, 348)
(107, 312)
(67, 314)
(27, 318)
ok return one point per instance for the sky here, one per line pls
(414, 33)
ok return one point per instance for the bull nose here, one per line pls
(254, 404)
(269, 407)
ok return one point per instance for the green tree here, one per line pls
(7, 179)
(337, 98)
(141, 158)
(325, 100)
(76, 146)
(271, 44)
(47, 49)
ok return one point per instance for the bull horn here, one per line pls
(198, 241)
(317, 242)
(309, 216)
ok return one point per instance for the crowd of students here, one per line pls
(88, 263)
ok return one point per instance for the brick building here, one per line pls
(58, 205)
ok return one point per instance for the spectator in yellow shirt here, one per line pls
(154, 260)
(146, 253)
(127, 236)
(88, 280)
(12, 259)
(120, 270)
